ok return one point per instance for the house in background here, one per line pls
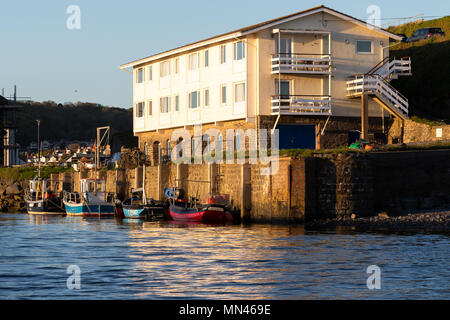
(319, 76)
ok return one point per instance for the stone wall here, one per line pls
(392, 182)
(335, 133)
(417, 132)
(324, 186)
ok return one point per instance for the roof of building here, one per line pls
(255, 28)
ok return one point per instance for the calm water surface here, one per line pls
(161, 260)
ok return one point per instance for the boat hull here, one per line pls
(205, 214)
(43, 207)
(89, 210)
(139, 212)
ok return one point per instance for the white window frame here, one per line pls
(162, 71)
(142, 109)
(223, 54)
(176, 66)
(150, 73)
(176, 99)
(206, 101)
(222, 103)
(191, 59)
(235, 46)
(140, 71)
(197, 92)
(150, 108)
(206, 58)
(235, 92)
(364, 40)
(164, 104)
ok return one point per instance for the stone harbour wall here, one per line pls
(306, 189)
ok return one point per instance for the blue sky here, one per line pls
(47, 61)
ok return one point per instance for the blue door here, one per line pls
(297, 136)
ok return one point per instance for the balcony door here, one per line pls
(283, 46)
(283, 88)
(283, 91)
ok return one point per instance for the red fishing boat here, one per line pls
(214, 210)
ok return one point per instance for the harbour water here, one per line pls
(164, 260)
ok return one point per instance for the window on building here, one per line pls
(168, 148)
(363, 46)
(194, 61)
(239, 92)
(206, 58)
(283, 88)
(239, 50)
(177, 103)
(165, 69)
(206, 97)
(223, 53)
(238, 142)
(194, 99)
(150, 73)
(165, 104)
(140, 75)
(283, 46)
(176, 65)
(139, 109)
(223, 94)
(150, 107)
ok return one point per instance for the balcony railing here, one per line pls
(301, 105)
(296, 63)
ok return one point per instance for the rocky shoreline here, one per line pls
(12, 196)
(433, 220)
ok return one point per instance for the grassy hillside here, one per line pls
(428, 88)
(70, 121)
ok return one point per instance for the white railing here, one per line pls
(376, 85)
(301, 63)
(391, 69)
(301, 104)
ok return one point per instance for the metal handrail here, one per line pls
(302, 54)
(300, 95)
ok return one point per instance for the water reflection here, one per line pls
(128, 259)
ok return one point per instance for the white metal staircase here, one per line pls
(375, 84)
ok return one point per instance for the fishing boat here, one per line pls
(141, 208)
(213, 210)
(40, 200)
(91, 201)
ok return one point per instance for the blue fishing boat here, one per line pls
(92, 201)
(140, 208)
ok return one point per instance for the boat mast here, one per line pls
(144, 198)
(95, 170)
(39, 150)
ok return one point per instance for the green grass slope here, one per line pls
(428, 89)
